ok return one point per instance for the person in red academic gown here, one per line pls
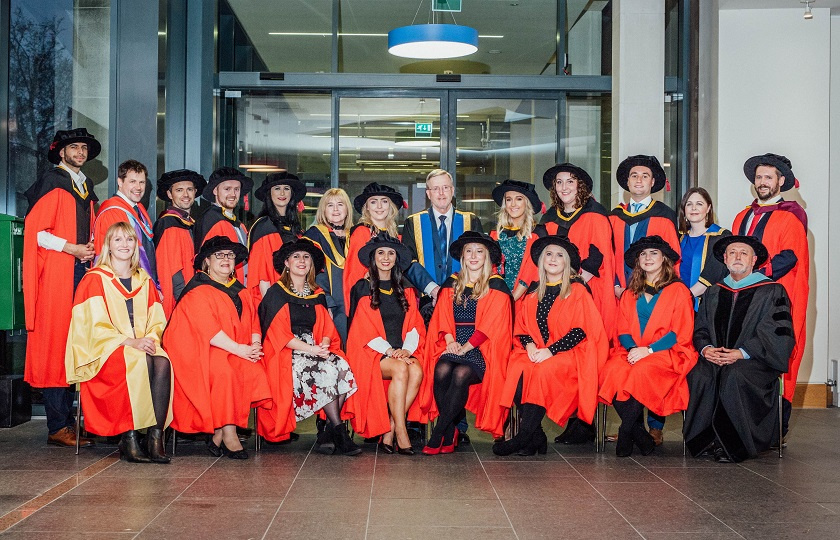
(173, 233)
(56, 252)
(641, 176)
(385, 347)
(282, 196)
(214, 342)
(224, 189)
(560, 342)
(114, 350)
(126, 207)
(306, 369)
(782, 227)
(468, 344)
(648, 367)
(576, 215)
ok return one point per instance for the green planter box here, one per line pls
(12, 315)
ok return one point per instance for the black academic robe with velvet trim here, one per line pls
(737, 404)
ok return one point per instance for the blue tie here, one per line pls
(442, 239)
(636, 207)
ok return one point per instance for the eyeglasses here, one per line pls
(440, 189)
(225, 255)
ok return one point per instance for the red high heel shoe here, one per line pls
(449, 448)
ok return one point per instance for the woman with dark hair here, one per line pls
(518, 202)
(306, 370)
(469, 343)
(282, 195)
(114, 350)
(213, 339)
(330, 232)
(699, 269)
(655, 326)
(560, 343)
(385, 343)
(576, 215)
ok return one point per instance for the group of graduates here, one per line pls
(192, 324)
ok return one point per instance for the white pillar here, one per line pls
(638, 65)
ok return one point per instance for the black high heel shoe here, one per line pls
(403, 451)
(130, 449)
(154, 446)
(215, 451)
(386, 448)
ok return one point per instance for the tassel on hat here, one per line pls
(667, 185)
(300, 207)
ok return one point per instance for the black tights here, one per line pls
(452, 389)
(160, 380)
(332, 410)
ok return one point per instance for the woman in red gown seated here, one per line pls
(385, 343)
(305, 366)
(214, 341)
(469, 342)
(559, 343)
(114, 350)
(655, 326)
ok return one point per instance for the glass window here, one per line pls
(673, 35)
(587, 143)
(283, 131)
(57, 80)
(499, 139)
(393, 141)
(588, 37)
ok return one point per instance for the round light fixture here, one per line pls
(429, 41)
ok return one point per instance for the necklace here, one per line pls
(305, 292)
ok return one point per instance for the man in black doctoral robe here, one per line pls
(744, 334)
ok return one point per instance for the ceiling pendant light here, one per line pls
(433, 41)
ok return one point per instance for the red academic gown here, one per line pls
(368, 407)
(276, 325)
(588, 228)
(213, 388)
(263, 241)
(657, 219)
(658, 380)
(568, 381)
(215, 223)
(784, 232)
(493, 318)
(55, 206)
(174, 251)
(115, 390)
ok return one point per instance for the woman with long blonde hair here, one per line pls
(114, 350)
(559, 343)
(648, 366)
(518, 202)
(469, 343)
(333, 221)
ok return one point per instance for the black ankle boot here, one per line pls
(532, 416)
(343, 442)
(538, 444)
(154, 446)
(130, 449)
(580, 433)
(643, 439)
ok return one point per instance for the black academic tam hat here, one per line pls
(775, 160)
(284, 178)
(220, 243)
(70, 136)
(376, 190)
(525, 188)
(475, 237)
(759, 248)
(383, 239)
(170, 178)
(224, 174)
(550, 175)
(301, 244)
(540, 244)
(649, 242)
(622, 173)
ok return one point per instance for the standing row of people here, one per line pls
(428, 261)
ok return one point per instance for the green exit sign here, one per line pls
(422, 129)
(446, 5)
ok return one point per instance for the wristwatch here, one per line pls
(650, 350)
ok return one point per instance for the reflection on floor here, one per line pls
(290, 492)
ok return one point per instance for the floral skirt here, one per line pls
(318, 381)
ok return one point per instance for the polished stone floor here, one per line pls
(291, 492)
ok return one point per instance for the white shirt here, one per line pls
(643, 204)
(48, 240)
(411, 342)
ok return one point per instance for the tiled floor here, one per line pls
(291, 492)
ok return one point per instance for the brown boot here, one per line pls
(657, 436)
(66, 436)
